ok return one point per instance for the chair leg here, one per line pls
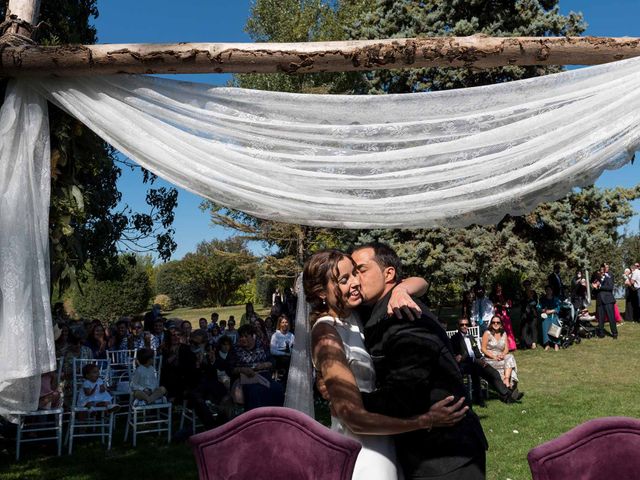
(59, 428)
(72, 422)
(19, 436)
(169, 425)
(110, 431)
(182, 416)
(135, 428)
(126, 428)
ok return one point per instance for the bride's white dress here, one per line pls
(377, 459)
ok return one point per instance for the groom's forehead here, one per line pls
(363, 256)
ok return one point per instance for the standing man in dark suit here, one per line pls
(471, 362)
(605, 301)
(555, 282)
(415, 368)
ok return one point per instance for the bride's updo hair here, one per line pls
(321, 273)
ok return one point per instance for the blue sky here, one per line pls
(163, 21)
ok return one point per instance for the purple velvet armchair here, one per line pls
(602, 448)
(274, 443)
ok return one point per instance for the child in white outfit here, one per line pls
(144, 381)
(94, 391)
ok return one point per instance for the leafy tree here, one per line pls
(570, 231)
(423, 18)
(219, 268)
(173, 280)
(107, 300)
(86, 230)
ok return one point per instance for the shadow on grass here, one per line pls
(151, 459)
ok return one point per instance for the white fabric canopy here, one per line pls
(416, 160)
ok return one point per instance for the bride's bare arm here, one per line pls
(346, 401)
(401, 302)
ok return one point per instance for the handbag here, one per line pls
(554, 330)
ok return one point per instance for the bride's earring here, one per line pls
(324, 302)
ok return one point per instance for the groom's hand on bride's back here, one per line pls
(447, 412)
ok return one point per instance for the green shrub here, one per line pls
(164, 301)
(110, 299)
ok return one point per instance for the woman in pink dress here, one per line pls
(501, 306)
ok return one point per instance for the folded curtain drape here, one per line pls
(449, 158)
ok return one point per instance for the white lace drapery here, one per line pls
(416, 160)
(26, 337)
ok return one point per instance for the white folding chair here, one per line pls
(484, 386)
(475, 331)
(153, 418)
(120, 362)
(89, 421)
(189, 415)
(42, 424)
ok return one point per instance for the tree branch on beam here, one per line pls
(476, 51)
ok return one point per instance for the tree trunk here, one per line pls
(23, 15)
(473, 52)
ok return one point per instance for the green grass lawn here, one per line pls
(563, 389)
(194, 314)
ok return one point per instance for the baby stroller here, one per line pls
(569, 325)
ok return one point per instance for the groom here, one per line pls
(415, 368)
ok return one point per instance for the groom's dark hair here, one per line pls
(384, 255)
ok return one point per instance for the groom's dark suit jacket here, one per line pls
(415, 368)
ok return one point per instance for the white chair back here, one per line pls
(78, 379)
(475, 331)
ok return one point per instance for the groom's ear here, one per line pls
(389, 275)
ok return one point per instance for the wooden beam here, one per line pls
(22, 15)
(475, 52)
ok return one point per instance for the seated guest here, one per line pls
(268, 325)
(185, 330)
(215, 335)
(62, 342)
(158, 330)
(224, 347)
(139, 338)
(121, 332)
(144, 381)
(50, 396)
(214, 321)
(261, 331)
(251, 368)
(97, 341)
(471, 362)
(496, 351)
(231, 331)
(282, 339)
(208, 389)
(249, 315)
(202, 324)
(178, 366)
(281, 344)
(75, 349)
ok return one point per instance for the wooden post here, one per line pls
(24, 14)
(474, 52)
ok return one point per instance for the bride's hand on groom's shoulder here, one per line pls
(402, 305)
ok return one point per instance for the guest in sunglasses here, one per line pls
(471, 362)
(495, 348)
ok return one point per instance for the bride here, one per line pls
(332, 288)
